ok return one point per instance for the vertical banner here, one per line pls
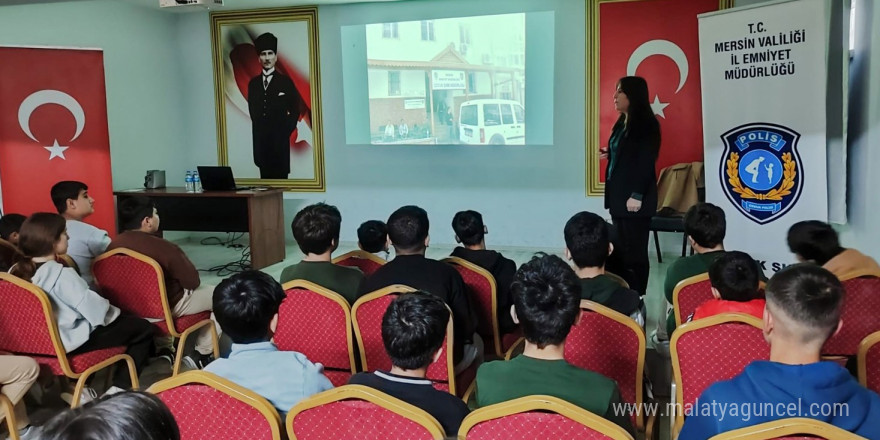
(659, 42)
(764, 73)
(53, 127)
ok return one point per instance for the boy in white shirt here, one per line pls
(73, 202)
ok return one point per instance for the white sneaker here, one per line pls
(189, 363)
(87, 395)
(113, 390)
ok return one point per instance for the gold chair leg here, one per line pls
(7, 406)
(84, 376)
(181, 344)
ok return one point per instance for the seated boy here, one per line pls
(413, 329)
(186, 293)
(316, 230)
(587, 245)
(246, 306)
(817, 242)
(471, 233)
(408, 233)
(803, 311)
(373, 238)
(86, 242)
(546, 302)
(734, 278)
(9, 227)
(705, 226)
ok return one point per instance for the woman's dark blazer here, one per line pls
(634, 171)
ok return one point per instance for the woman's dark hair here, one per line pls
(639, 118)
(37, 238)
(132, 415)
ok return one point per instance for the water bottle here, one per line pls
(197, 182)
(189, 181)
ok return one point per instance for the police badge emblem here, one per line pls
(761, 170)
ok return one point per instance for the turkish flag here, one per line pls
(659, 41)
(53, 127)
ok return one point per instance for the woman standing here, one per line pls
(630, 176)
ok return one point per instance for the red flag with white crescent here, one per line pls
(659, 41)
(53, 127)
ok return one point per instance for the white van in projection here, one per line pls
(492, 121)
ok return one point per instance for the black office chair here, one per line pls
(668, 220)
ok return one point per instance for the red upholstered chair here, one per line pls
(28, 327)
(713, 349)
(359, 412)
(367, 315)
(611, 344)
(689, 294)
(484, 294)
(365, 261)
(209, 407)
(869, 362)
(794, 428)
(316, 322)
(135, 283)
(860, 318)
(537, 417)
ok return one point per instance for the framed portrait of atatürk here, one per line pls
(268, 97)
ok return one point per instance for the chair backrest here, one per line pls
(618, 279)
(793, 428)
(859, 314)
(713, 349)
(534, 417)
(359, 412)
(27, 323)
(367, 314)
(484, 293)
(869, 362)
(68, 261)
(316, 322)
(689, 294)
(365, 261)
(133, 282)
(208, 407)
(613, 345)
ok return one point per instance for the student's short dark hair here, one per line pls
(10, 223)
(546, 296)
(706, 224)
(372, 235)
(130, 415)
(408, 228)
(468, 227)
(244, 305)
(736, 276)
(315, 227)
(413, 328)
(133, 211)
(586, 237)
(64, 190)
(809, 295)
(814, 240)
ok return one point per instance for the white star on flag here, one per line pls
(657, 107)
(56, 151)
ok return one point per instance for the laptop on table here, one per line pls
(215, 178)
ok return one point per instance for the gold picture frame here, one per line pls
(595, 187)
(237, 65)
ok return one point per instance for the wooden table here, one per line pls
(259, 213)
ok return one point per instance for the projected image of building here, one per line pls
(421, 72)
